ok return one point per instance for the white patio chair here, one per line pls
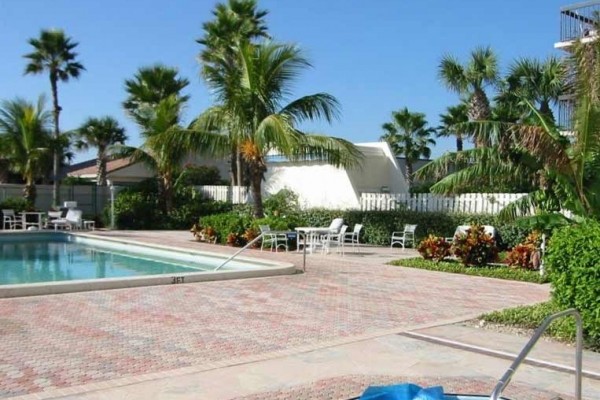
(273, 239)
(73, 220)
(335, 225)
(10, 220)
(334, 239)
(404, 237)
(353, 237)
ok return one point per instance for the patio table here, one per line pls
(37, 216)
(312, 235)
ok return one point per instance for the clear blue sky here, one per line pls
(374, 56)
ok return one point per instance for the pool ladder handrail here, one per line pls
(250, 243)
(505, 380)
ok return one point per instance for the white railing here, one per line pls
(230, 194)
(470, 203)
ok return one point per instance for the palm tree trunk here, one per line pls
(101, 168)
(233, 166)
(168, 192)
(30, 192)
(256, 182)
(479, 109)
(409, 172)
(459, 143)
(56, 158)
(239, 168)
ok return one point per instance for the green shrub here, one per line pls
(196, 175)
(573, 265)
(135, 210)
(475, 247)
(434, 248)
(227, 223)
(284, 202)
(18, 204)
(511, 235)
(499, 272)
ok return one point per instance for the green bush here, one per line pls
(573, 265)
(18, 204)
(499, 272)
(284, 202)
(511, 235)
(227, 223)
(196, 175)
(140, 207)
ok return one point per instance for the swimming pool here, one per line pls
(49, 262)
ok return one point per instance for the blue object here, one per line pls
(405, 391)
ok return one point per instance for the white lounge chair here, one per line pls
(353, 237)
(273, 239)
(334, 239)
(10, 220)
(73, 220)
(404, 237)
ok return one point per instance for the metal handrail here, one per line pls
(505, 380)
(250, 243)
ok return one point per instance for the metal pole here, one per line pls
(112, 205)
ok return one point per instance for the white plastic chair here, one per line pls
(404, 237)
(10, 220)
(273, 239)
(335, 225)
(353, 237)
(335, 239)
(73, 220)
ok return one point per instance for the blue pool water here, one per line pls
(59, 259)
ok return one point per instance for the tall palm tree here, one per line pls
(452, 124)
(54, 53)
(261, 118)
(540, 82)
(470, 80)
(566, 169)
(155, 103)
(235, 23)
(149, 86)
(100, 133)
(409, 136)
(25, 138)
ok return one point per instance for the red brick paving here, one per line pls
(348, 387)
(73, 339)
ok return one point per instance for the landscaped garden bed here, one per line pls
(489, 271)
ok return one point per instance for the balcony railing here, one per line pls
(566, 107)
(579, 20)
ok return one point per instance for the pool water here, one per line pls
(59, 260)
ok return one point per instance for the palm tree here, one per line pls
(53, 53)
(565, 169)
(256, 115)
(470, 80)
(151, 85)
(154, 102)
(100, 133)
(451, 124)
(236, 23)
(25, 138)
(541, 83)
(408, 136)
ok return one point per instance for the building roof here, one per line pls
(89, 167)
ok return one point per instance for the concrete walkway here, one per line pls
(220, 340)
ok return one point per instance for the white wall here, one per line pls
(317, 184)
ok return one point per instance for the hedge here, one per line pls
(573, 266)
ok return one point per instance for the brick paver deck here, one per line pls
(58, 341)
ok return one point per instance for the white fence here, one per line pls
(230, 194)
(91, 199)
(470, 203)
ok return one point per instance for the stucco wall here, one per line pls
(317, 184)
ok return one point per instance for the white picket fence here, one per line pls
(469, 203)
(230, 194)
